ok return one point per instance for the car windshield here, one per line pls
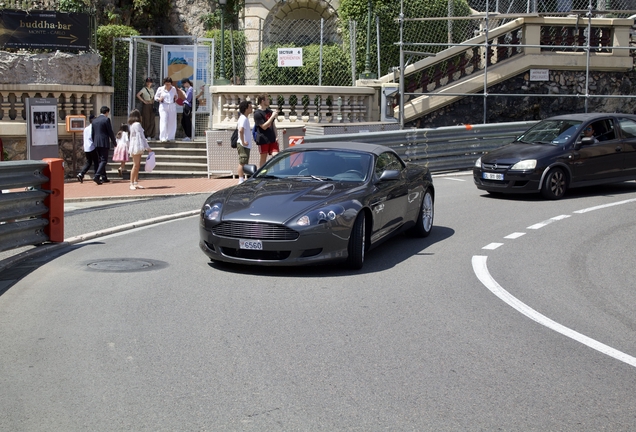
(318, 165)
(552, 132)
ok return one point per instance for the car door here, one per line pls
(602, 159)
(628, 135)
(389, 201)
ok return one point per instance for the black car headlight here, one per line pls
(323, 215)
(212, 212)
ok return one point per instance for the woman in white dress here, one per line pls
(166, 95)
(137, 144)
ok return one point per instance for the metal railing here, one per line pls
(26, 217)
(440, 149)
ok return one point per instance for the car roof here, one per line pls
(584, 117)
(346, 145)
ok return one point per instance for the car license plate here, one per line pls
(492, 176)
(251, 244)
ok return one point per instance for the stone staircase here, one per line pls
(174, 159)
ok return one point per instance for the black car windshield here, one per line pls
(318, 165)
(552, 132)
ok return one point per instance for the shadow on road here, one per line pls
(387, 255)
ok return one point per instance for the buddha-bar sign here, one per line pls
(44, 30)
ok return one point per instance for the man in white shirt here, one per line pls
(89, 151)
(244, 137)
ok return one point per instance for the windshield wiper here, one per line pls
(314, 177)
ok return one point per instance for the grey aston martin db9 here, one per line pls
(315, 203)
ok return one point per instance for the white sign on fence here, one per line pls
(290, 57)
(539, 75)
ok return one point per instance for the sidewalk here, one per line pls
(120, 189)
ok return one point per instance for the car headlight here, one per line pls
(212, 212)
(527, 164)
(323, 215)
(478, 163)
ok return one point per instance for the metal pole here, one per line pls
(377, 45)
(222, 80)
(587, 55)
(401, 19)
(322, 29)
(486, 65)
(366, 73)
(260, 49)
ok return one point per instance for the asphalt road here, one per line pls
(515, 314)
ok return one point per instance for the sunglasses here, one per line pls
(588, 129)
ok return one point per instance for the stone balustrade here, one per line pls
(72, 100)
(298, 105)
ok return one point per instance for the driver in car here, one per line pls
(588, 132)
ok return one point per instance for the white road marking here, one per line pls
(589, 209)
(492, 246)
(514, 235)
(454, 179)
(481, 270)
(548, 222)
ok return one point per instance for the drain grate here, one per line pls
(125, 265)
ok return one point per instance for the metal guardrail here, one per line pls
(440, 149)
(24, 216)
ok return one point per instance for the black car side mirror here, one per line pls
(390, 175)
(584, 141)
(249, 169)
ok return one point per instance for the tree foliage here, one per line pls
(420, 31)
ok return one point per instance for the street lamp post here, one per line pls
(221, 80)
(367, 74)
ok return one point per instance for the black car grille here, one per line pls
(255, 254)
(496, 167)
(254, 230)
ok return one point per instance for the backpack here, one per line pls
(234, 138)
(255, 133)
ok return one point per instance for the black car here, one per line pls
(315, 203)
(562, 152)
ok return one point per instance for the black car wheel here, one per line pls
(424, 223)
(357, 243)
(555, 184)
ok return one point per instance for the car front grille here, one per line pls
(254, 230)
(496, 167)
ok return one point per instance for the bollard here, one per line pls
(55, 200)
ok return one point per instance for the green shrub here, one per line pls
(234, 65)
(335, 60)
(105, 36)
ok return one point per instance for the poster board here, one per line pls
(75, 123)
(42, 137)
(179, 64)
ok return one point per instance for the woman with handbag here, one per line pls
(137, 144)
(145, 105)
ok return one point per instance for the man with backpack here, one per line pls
(244, 144)
(265, 138)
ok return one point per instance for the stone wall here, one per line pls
(55, 68)
(469, 110)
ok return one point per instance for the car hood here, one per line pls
(277, 201)
(513, 153)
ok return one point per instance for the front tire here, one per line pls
(555, 184)
(424, 223)
(357, 243)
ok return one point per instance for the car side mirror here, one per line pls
(389, 175)
(584, 142)
(249, 169)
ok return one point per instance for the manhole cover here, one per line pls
(125, 265)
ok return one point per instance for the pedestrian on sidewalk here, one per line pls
(244, 144)
(89, 151)
(137, 144)
(147, 97)
(121, 151)
(103, 136)
(167, 97)
(264, 119)
(186, 117)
